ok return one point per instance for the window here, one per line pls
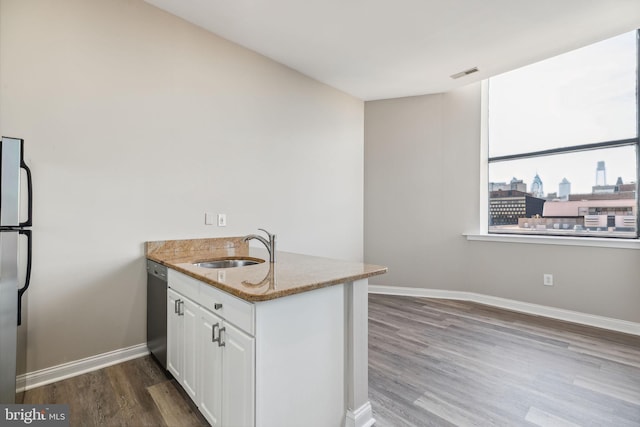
(563, 144)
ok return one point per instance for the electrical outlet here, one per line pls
(222, 220)
(547, 279)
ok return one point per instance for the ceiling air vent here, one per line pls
(464, 73)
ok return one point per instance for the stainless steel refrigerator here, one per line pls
(15, 266)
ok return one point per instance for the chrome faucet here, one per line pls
(270, 244)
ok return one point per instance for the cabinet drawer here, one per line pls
(187, 286)
(232, 309)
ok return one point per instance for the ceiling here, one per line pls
(377, 49)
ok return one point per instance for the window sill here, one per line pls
(556, 240)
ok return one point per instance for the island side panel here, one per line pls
(300, 360)
(359, 411)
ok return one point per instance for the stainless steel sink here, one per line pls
(227, 263)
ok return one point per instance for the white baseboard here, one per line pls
(523, 307)
(361, 417)
(82, 366)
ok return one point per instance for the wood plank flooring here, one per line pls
(431, 363)
(134, 393)
(450, 363)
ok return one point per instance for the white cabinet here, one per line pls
(275, 363)
(190, 347)
(182, 330)
(238, 378)
(209, 396)
(175, 338)
(209, 355)
(227, 360)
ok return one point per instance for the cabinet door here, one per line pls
(238, 378)
(210, 368)
(190, 314)
(175, 336)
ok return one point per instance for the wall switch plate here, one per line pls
(547, 279)
(208, 218)
(222, 220)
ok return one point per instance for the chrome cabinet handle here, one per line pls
(175, 306)
(213, 333)
(220, 342)
(180, 304)
(217, 306)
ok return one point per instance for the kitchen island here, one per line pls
(282, 344)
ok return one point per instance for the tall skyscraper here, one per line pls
(536, 187)
(601, 174)
(564, 189)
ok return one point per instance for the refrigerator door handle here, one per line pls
(24, 166)
(27, 278)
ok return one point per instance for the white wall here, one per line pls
(422, 171)
(137, 123)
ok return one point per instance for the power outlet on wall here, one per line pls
(222, 220)
(547, 279)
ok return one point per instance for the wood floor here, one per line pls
(450, 363)
(135, 393)
(431, 363)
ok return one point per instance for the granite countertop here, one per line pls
(290, 274)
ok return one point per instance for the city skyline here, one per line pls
(578, 168)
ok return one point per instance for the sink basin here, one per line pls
(227, 263)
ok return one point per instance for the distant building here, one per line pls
(515, 184)
(537, 188)
(498, 186)
(626, 190)
(603, 189)
(518, 185)
(609, 192)
(603, 196)
(594, 214)
(574, 208)
(564, 189)
(614, 209)
(506, 207)
(601, 174)
(601, 181)
(610, 209)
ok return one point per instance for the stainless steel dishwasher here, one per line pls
(157, 311)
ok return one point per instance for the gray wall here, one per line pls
(422, 169)
(137, 123)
